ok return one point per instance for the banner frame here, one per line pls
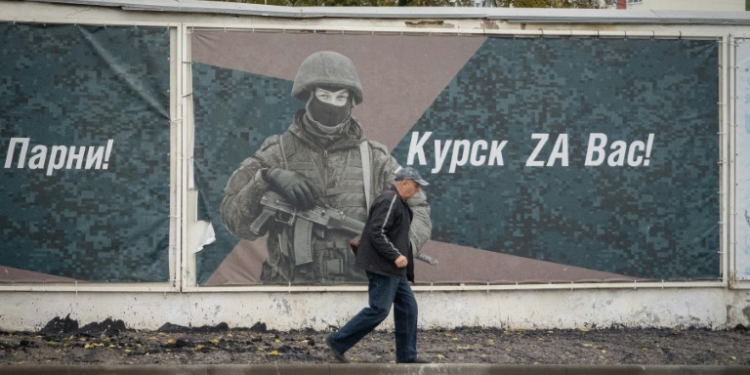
(723, 156)
(175, 219)
(735, 282)
(182, 264)
(189, 277)
(511, 33)
(732, 128)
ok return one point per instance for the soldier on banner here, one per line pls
(321, 167)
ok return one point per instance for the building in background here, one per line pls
(715, 5)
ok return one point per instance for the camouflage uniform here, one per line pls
(334, 166)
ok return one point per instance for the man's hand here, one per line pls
(401, 261)
(293, 186)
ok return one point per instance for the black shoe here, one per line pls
(418, 360)
(335, 353)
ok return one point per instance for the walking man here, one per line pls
(386, 256)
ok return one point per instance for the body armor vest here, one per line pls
(339, 177)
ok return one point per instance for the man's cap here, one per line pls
(409, 173)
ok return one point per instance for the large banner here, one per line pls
(742, 118)
(550, 160)
(85, 144)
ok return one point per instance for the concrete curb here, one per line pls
(373, 369)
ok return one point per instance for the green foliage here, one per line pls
(579, 4)
(431, 3)
(531, 3)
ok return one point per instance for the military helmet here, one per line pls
(327, 68)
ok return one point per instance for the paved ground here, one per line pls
(63, 342)
(372, 369)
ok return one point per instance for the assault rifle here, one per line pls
(274, 206)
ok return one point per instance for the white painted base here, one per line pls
(696, 307)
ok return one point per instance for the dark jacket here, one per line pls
(386, 236)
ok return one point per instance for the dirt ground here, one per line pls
(63, 342)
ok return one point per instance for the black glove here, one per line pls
(293, 186)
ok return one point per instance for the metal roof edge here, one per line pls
(513, 15)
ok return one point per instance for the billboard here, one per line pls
(85, 144)
(550, 159)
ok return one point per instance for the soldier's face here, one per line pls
(330, 106)
(335, 98)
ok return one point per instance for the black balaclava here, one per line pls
(328, 115)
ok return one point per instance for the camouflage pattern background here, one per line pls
(81, 86)
(658, 222)
(234, 113)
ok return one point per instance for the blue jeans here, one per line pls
(384, 291)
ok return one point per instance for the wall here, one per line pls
(181, 302)
(531, 309)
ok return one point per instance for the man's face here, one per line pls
(409, 188)
(335, 98)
